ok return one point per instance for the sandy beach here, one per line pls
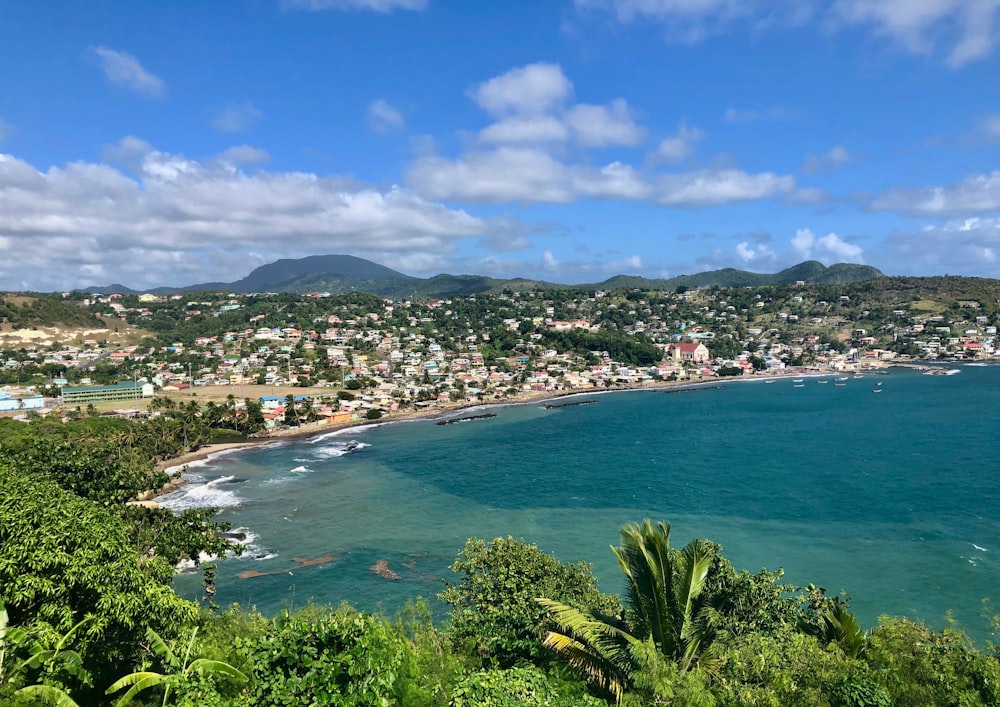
(442, 409)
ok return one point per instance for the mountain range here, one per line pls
(338, 274)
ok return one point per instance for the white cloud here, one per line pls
(967, 26)
(123, 69)
(383, 118)
(243, 155)
(976, 194)
(549, 261)
(504, 174)
(835, 158)
(614, 181)
(374, 5)
(532, 175)
(525, 129)
(966, 246)
(831, 246)
(714, 187)
(600, 126)
(754, 254)
(180, 221)
(681, 145)
(533, 89)
(237, 118)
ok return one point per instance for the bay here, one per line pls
(890, 496)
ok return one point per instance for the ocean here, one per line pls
(889, 496)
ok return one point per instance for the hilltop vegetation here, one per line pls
(38, 310)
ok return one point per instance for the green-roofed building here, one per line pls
(126, 390)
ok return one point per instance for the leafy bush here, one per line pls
(494, 611)
(520, 687)
(325, 657)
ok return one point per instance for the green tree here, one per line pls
(494, 613)
(63, 558)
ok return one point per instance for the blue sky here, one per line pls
(156, 143)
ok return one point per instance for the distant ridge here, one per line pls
(338, 274)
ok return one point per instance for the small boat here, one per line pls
(876, 390)
(840, 385)
(799, 385)
(796, 380)
(842, 379)
(822, 382)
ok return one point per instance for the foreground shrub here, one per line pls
(325, 657)
(520, 687)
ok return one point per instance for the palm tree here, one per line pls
(181, 668)
(662, 611)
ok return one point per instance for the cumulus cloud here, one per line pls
(530, 174)
(681, 145)
(614, 181)
(236, 118)
(531, 105)
(504, 174)
(835, 158)
(383, 118)
(383, 6)
(964, 246)
(600, 126)
(123, 69)
(180, 221)
(976, 194)
(533, 89)
(757, 254)
(525, 129)
(514, 158)
(714, 187)
(831, 246)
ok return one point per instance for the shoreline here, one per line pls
(178, 464)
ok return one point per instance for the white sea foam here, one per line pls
(198, 493)
(980, 548)
(338, 449)
(302, 470)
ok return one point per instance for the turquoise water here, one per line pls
(892, 497)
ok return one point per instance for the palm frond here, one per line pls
(205, 665)
(46, 693)
(138, 681)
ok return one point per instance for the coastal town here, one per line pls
(346, 358)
